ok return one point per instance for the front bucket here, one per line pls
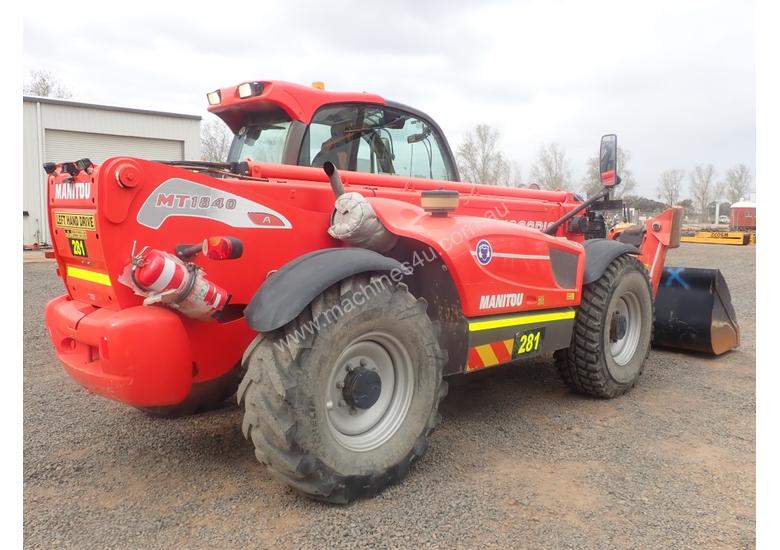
(693, 311)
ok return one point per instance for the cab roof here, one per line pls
(298, 102)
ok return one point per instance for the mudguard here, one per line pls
(598, 255)
(286, 293)
(497, 267)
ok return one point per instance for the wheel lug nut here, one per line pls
(329, 405)
(342, 403)
(340, 385)
(352, 411)
(363, 362)
(349, 367)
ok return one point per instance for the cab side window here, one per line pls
(403, 144)
(414, 146)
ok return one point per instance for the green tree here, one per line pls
(215, 139)
(669, 186)
(643, 204)
(45, 84)
(479, 158)
(737, 184)
(703, 188)
(687, 204)
(552, 170)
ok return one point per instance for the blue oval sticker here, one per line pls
(484, 252)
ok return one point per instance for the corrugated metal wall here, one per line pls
(63, 146)
(63, 131)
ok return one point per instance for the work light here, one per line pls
(249, 89)
(214, 97)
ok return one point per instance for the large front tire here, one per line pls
(612, 332)
(342, 400)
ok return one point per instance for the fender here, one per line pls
(497, 267)
(598, 255)
(286, 293)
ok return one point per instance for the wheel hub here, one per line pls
(618, 327)
(362, 388)
(369, 391)
(625, 328)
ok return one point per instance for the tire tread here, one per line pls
(580, 366)
(269, 396)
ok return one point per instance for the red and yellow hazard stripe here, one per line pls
(496, 353)
(488, 355)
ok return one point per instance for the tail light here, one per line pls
(222, 248)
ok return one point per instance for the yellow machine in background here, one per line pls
(718, 237)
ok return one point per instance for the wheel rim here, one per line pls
(625, 339)
(364, 429)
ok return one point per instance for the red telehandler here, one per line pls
(334, 271)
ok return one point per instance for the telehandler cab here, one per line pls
(333, 272)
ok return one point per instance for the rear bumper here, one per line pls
(140, 355)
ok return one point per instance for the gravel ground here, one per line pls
(517, 462)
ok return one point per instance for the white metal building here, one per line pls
(57, 130)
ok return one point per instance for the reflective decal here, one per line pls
(87, 275)
(517, 320)
(182, 198)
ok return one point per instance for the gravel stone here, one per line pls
(517, 462)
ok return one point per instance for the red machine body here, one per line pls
(152, 355)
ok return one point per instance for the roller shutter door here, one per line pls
(63, 146)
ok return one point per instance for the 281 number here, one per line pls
(529, 341)
(78, 247)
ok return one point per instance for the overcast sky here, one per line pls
(675, 80)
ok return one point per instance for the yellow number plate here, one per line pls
(78, 247)
(75, 221)
(528, 342)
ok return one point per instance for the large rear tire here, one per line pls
(612, 332)
(342, 400)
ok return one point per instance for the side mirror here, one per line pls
(608, 161)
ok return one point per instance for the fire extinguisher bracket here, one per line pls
(190, 284)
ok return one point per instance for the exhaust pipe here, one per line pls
(335, 179)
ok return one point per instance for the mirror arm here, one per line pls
(551, 229)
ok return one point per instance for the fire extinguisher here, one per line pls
(179, 285)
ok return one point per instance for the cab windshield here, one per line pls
(261, 140)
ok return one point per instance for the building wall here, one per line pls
(743, 217)
(103, 132)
